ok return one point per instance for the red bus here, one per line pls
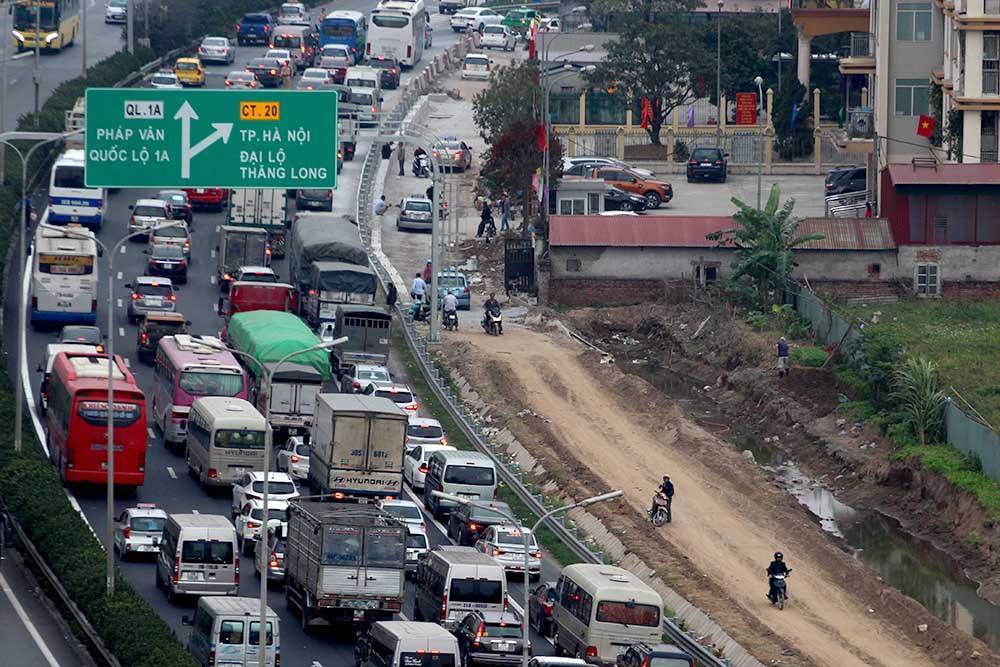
(77, 420)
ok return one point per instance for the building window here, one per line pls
(913, 22)
(604, 109)
(991, 63)
(927, 280)
(564, 108)
(572, 207)
(912, 97)
(573, 265)
(594, 202)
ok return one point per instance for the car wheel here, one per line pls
(481, 28)
(652, 199)
(723, 179)
(555, 643)
(626, 206)
(690, 180)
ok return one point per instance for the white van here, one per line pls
(409, 644)
(226, 631)
(198, 556)
(363, 76)
(452, 581)
(601, 610)
(458, 473)
(225, 439)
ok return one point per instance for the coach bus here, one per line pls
(52, 23)
(63, 275)
(186, 368)
(399, 29)
(76, 421)
(70, 200)
(345, 27)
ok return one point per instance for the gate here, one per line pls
(518, 265)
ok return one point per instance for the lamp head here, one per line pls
(758, 80)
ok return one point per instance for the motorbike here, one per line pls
(421, 166)
(451, 320)
(661, 514)
(492, 320)
(778, 593)
(420, 311)
(490, 228)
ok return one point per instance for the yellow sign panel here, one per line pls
(66, 260)
(260, 111)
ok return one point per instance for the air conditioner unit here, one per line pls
(861, 124)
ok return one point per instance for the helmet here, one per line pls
(666, 477)
(778, 555)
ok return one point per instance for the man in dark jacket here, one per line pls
(667, 489)
(777, 566)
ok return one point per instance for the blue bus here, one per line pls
(345, 27)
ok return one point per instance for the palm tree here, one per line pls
(916, 390)
(764, 241)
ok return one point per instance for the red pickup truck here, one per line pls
(214, 198)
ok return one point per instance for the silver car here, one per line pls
(150, 295)
(166, 80)
(453, 155)
(506, 546)
(139, 530)
(293, 458)
(148, 214)
(217, 50)
(415, 215)
(241, 79)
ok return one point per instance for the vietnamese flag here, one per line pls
(540, 138)
(925, 126)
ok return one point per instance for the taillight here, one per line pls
(692, 162)
(274, 72)
(177, 569)
(201, 49)
(374, 109)
(497, 552)
(444, 607)
(472, 526)
(172, 297)
(132, 220)
(176, 414)
(273, 562)
(93, 305)
(211, 658)
(294, 458)
(253, 524)
(479, 635)
(213, 473)
(135, 296)
(591, 651)
(718, 162)
(409, 52)
(458, 155)
(423, 468)
(127, 533)
(303, 49)
(144, 338)
(228, 83)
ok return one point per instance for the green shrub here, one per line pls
(811, 356)
(681, 151)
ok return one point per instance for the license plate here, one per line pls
(74, 218)
(504, 647)
(65, 304)
(474, 496)
(200, 191)
(706, 164)
(193, 576)
(168, 265)
(154, 301)
(361, 604)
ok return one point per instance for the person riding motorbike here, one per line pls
(449, 306)
(777, 566)
(667, 489)
(486, 223)
(491, 305)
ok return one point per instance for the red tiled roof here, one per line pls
(665, 231)
(985, 173)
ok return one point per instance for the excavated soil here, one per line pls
(599, 428)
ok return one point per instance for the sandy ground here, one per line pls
(718, 524)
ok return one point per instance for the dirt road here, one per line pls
(725, 525)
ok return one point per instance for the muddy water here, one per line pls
(911, 565)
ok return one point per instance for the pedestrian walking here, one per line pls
(504, 212)
(391, 295)
(782, 357)
(428, 270)
(418, 288)
(401, 156)
(868, 209)
(386, 151)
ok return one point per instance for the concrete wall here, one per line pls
(955, 262)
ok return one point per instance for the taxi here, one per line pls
(139, 530)
(190, 71)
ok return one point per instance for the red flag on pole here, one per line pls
(647, 113)
(540, 138)
(925, 126)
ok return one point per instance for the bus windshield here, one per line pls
(25, 17)
(338, 28)
(210, 383)
(239, 439)
(69, 176)
(383, 21)
(483, 591)
(628, 613)
(95, 413)
(287, 41)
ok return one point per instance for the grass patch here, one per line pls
(456, 437)
(957, 469)
(811, 356)
(960, 337)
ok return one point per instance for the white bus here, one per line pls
(225, 439)
(63, 275)
(70, 200)
(399, 29)
(601, 610)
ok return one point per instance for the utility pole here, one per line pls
(130, 25)
(718, 76)
(37, 74)
(83, 34)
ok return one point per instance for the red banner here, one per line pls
(746, 108)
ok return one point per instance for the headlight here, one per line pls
(52, 36)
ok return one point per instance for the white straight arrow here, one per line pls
(221, 131)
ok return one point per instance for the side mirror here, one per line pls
(146, 251)
(277, 277)
(100, 251)
(186, 620)
(128, 285)
(131, 207)
(187, 322)
(39, 369)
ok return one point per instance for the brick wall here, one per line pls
(970, 289)
(840, 290)
(608, 291)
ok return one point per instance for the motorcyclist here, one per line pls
(666, 487)
(486, 218)
(449, 305)
(776, 567)
(492, 305)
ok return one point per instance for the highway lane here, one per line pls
(167, 483)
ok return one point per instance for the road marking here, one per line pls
(122, 251)
(119, 278)
(211, 279)
(119, 300)
(170, 471)
(151, 432)
(21, 55)
(195, 512)
(29, 626)
(215, 308)
(213, 250)
(121, 332)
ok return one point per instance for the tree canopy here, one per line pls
(513, 159)
(513, 95)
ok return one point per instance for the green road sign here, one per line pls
(211, 138)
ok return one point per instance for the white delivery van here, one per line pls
(226, 631)
(198, 556)
(409, 644)
(464, 474)
(452, 581)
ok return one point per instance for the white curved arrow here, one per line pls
(221, 131)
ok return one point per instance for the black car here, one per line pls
(707, 163)
(490, 638)
(641, 654)
(83, 334)
(389, 71)
(616, 199)
(180, 205)
(255, 28)
(168, 261)
(468, 522)
(843, 181)
(269, 71)
(318, 199)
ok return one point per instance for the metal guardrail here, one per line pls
(461, 414)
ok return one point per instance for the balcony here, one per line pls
(825, 17)
(858, 135)
(988, 155)
(861, 56)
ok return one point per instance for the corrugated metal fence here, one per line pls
(963, 432)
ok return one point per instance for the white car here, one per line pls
(415, 464)
(148, 214)
(166, 80)
(369, 373)
(293, 458)
(424, 431)
(217, 50)
(404, 511)
(284, 55)
(399, 394)
(476, 66)
(250, 519)
(417, 546)
(314, 78)
(250, 486)
(139, 530)
(550, 24)
(569, 163)
(476, 18)
(256, 274)
(499, 37)
(116, 11)
(506, 545)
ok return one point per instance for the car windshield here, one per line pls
(211, 383)
(314, 194)
(401, 397)
(71, 334)
(424, 431)
(449, 281)
(274, 487)
(232, 439)
(148, 289)
(315, 74)
(118, 3)
(382, 63)
(669, 662)
(168, 252)
(478, 513)
(209, 552)
(214, 41)
(628, 613)
(291, 10)
(147, 524)
(383, 21)
(512, 539)
(706, 154)
(149, 212)
(364, 99)
(171, 232)
(469, 475)
(411, 512)
(484, 591)
(416, 541)
(272, 513)
(154, 328)
(289, 41)
(256, 18)
(163, 79)
(240, 76)
(494, 30)
(333, 61)
(186, 66)
(477, 60)
(259, 277)
(374, 374)
(173, 198)
(421, 206)
(506, 631)
(333, 50)
(262, 62)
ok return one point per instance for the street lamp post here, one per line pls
(83, 35)
(109, 518)
(42, 138)
(268, 372)
(760, 135)
(526, 540)
(36, 75)
(718, 76)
